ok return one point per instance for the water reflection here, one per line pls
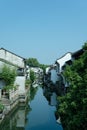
(51, 96)
(38, 114)
(33, 92)
(42, 116)
(16, 120)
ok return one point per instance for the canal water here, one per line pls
(39, 114)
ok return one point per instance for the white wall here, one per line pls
(12, 58)
(1, 64)
(12, 61)
(20, 80)
(47, 70)
(8, 65)
(63, 59)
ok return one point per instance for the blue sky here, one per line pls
(43, 29)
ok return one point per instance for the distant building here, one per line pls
(61, 61)
(38, 73)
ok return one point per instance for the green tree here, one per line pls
(32, 76)
(8, 75)
(73, 106)
(43, 67)
(32, 62)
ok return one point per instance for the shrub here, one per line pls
(8, 75)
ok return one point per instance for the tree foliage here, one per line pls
(73, 106)
(32, 62)
(42, 66)
(1, 107)
(32, 76)
(8, 75)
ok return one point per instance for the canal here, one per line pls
(38, 114)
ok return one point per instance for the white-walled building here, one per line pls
(47, 70)
(11, 58)
(61, 61)
(13, 61)
(56, 69)
(38, 73)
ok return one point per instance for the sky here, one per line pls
(43, 29)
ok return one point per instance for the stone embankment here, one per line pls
(9, 106)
